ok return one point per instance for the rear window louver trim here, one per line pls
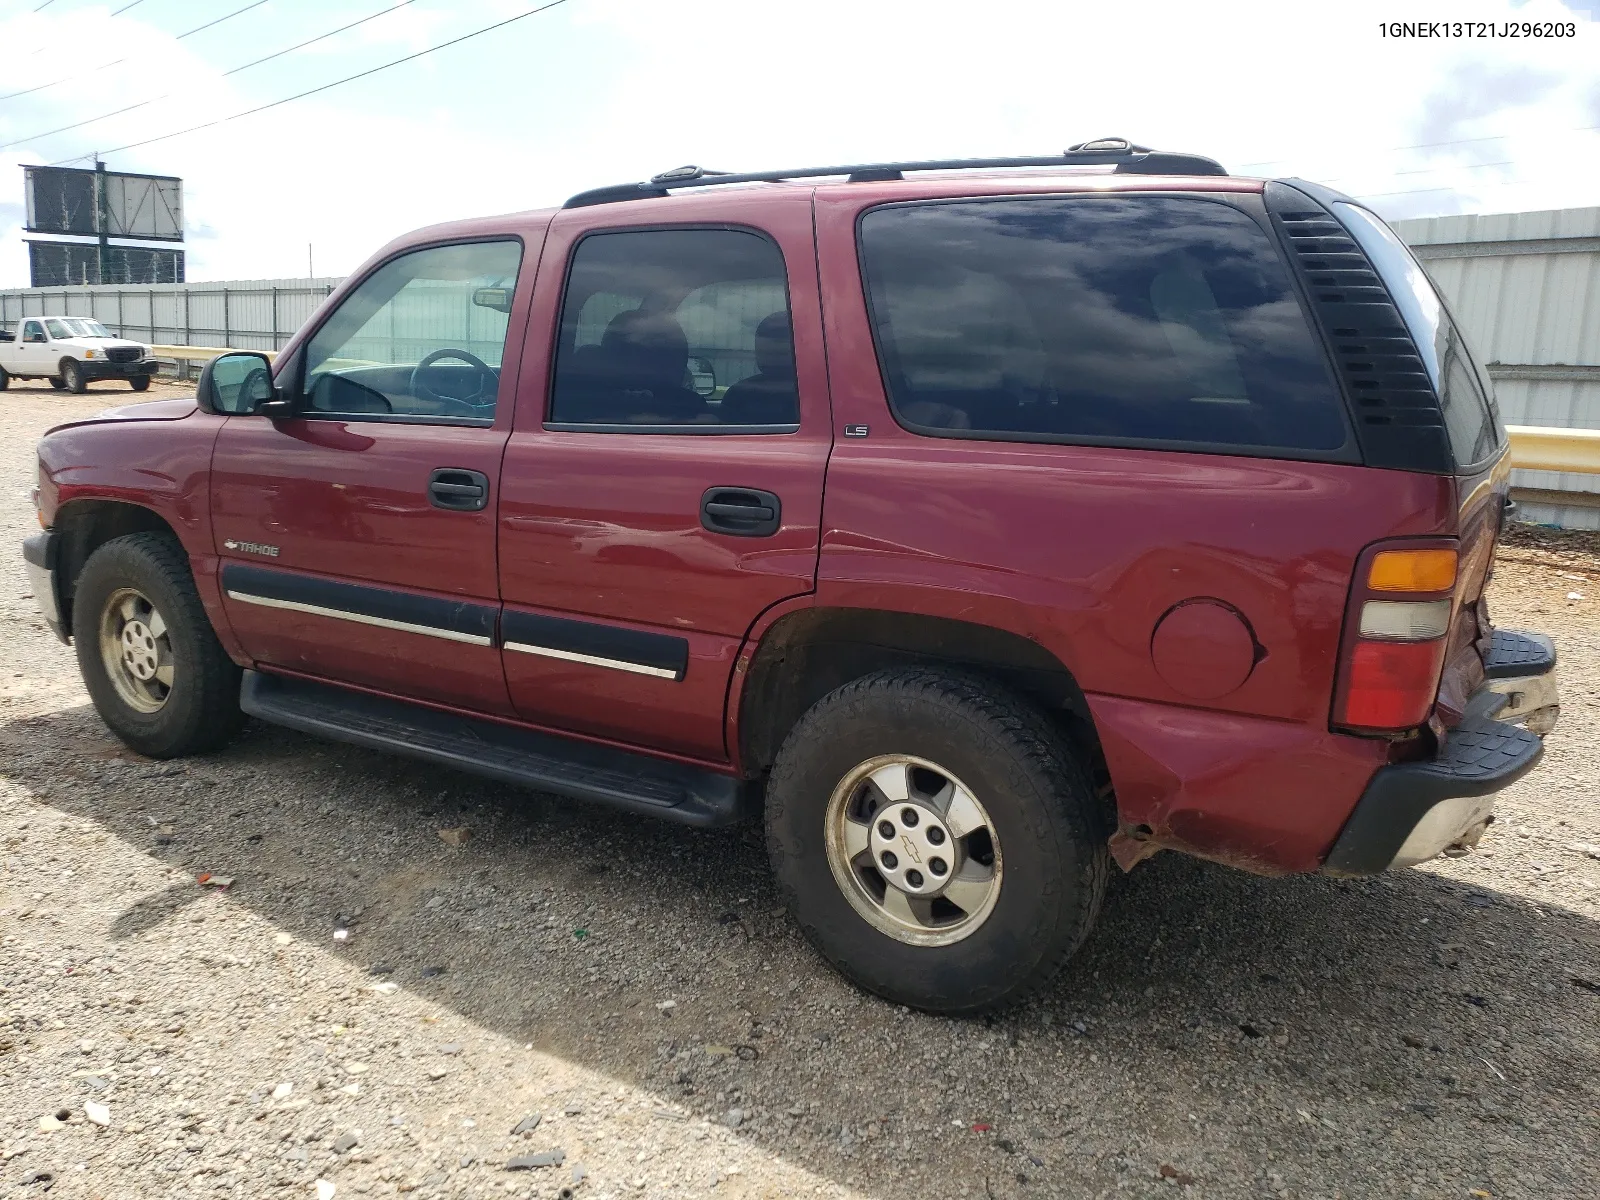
(1393, 402)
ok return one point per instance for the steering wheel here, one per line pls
(488, 381)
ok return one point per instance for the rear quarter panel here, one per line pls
(1084, 549)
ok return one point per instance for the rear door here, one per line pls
(358, 539)
(663, 485)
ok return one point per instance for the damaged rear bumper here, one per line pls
(1411, 812)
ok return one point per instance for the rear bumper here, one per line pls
(1411, 812)
(39, 554)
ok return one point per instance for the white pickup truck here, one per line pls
(71, 352)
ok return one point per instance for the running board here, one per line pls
(582, 770)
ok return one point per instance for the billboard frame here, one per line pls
(115, 200)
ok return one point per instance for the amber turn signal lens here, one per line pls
(1413, 571)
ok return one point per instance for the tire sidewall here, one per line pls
(122, 563)
(1043, 865)
(72, 377)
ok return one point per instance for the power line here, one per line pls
(120, 61)
(117, 13)
(244, 67)
(1273, 162)
(532, 12)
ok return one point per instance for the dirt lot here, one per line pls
(1435, 1032)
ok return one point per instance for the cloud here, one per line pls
(1474, 90)
(600, 91)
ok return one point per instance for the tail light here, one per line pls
(1401, 602)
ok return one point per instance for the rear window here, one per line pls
(1095, 319)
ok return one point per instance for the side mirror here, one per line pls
(239, 385)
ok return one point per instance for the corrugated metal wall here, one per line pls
(1526, 287)
(253, 314)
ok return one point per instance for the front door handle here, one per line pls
(458, 489)
(742, 512)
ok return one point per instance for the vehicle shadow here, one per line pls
(1326, 1037)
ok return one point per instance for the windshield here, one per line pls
(65, 327)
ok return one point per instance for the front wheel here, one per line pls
(140, 383)
(936, 839)
(72, 377)
(55, 382)
(153, 666)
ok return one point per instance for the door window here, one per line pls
(1095, 319)
(421, 339)
(32, 331)
(676, 330)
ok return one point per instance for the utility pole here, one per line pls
(102, 217)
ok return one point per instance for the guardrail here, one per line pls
(198, 353)
(1539, 448)
(1535, 447)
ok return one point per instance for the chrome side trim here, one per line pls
(615, 664)
(339, 614)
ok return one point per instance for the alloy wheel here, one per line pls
(136, 649)
(913, 850)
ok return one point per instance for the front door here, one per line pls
(663, 485)
(358, 538)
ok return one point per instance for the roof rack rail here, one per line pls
(1128, 159)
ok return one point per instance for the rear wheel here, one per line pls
(55, 382)
(72, 376)
(153, 666)
(936, 839)
(5, 380)
(140, 383)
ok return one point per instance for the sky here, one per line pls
(592, 92)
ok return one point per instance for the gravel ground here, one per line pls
(1430, 1033)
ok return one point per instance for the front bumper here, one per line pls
(103, 368)
(1411, 812)
(39, 554)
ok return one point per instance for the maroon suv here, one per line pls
(975, 523)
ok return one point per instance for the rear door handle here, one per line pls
(458, 489)
(742, 512)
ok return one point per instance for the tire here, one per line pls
(140, 384)
(5, 380)
(56, 383)
(72, 377)
(200, 708)
(1050, 863)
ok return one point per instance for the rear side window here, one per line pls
(676, 328)
(1095, 319)
(1466, 398)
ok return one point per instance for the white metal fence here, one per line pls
(1527, 288)
(252, 314)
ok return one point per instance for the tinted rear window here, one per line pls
(1466, 397)
(1145, 318)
